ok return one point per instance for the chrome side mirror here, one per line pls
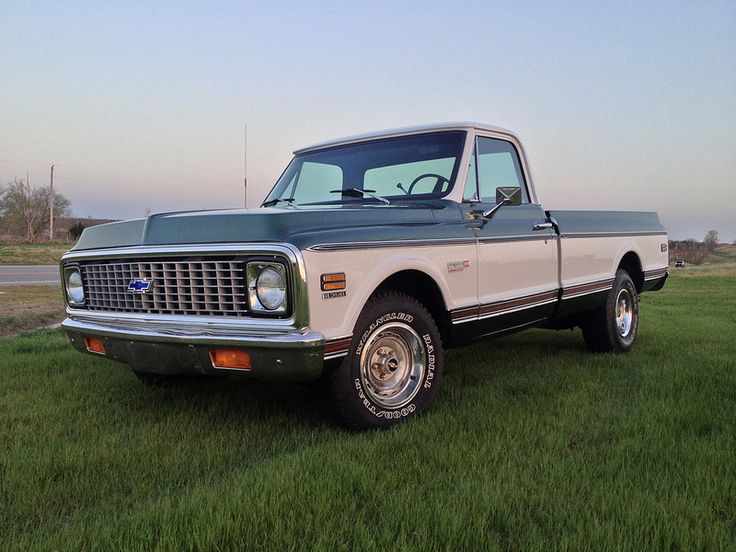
(505, 195)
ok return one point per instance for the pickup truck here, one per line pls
(370, 256)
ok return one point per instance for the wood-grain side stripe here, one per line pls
(655, 273)
(586, 288)
(499, 307)
(511, 304)
(337, 347)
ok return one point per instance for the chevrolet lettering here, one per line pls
(370, 257)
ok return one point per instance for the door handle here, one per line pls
(543, 226)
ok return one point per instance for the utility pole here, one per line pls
(27, 214)
(51, 206)
(245, 167)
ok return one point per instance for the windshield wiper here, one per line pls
(357, 192)
(271, 202)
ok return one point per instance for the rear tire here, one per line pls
(393, 368)
(612, 327)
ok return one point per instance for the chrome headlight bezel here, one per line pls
(75, 294)
(258, 302)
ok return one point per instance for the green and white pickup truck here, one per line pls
(370, 256)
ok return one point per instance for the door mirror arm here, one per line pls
(489, 214)
(505, 195)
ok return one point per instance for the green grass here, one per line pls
(28, 307)
(533, 444)
(32, 253)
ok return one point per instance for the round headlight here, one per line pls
(74, 287)
(271, 288)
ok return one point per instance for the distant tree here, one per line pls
(24, 211)
(76, 229)
(711, 240)
(690, 251)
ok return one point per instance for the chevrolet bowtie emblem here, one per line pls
(140, 285)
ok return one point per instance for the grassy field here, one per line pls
(27, 307)
(533, 444)
(32, 253)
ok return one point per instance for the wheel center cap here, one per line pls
(385, 364)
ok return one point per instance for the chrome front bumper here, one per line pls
(288, 355)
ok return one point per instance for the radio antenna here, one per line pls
(245, 166)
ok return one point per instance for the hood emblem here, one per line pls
(140, 285)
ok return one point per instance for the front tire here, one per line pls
(394, 365)
(612, 327)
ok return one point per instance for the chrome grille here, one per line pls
(203, 286)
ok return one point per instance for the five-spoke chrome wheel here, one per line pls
(624, 312)
(392, 365)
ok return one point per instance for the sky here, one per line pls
(142, 105)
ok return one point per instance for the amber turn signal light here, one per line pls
(94, 345)
(332, 282)
(228, 358)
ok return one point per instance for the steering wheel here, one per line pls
(441, 180)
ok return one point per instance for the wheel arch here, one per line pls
(422, 287)
(631, 263)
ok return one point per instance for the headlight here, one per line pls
(74, 286)
(267, 287)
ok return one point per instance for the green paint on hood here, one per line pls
(301, 227)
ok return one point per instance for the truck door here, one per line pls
(517, 247)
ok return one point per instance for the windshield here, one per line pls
(421, 166)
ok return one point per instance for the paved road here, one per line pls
(29, 274)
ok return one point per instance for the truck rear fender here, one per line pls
(629, 259)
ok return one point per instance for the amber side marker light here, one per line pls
(94, 345)
(227, 358)
(331, 282)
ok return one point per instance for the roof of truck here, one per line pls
(417, 129)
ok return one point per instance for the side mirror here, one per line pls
(505, 195)
(508, 195)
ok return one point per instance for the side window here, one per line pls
(314, 182)
(498, 165)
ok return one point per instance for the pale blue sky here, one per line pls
(621, 105)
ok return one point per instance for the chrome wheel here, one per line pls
(624, 312)
(392, 365)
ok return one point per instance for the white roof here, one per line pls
(418, 129)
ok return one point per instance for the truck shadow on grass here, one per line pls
(529, 365)
(534, 364)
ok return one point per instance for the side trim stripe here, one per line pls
(655, 273)
(390, 243)
(611, 234)
(520, 302)
(519, 237)
(428, 242)
(463, 241)
(488, 310)
(589, 287)
(337, 347)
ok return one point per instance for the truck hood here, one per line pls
(301, 227)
